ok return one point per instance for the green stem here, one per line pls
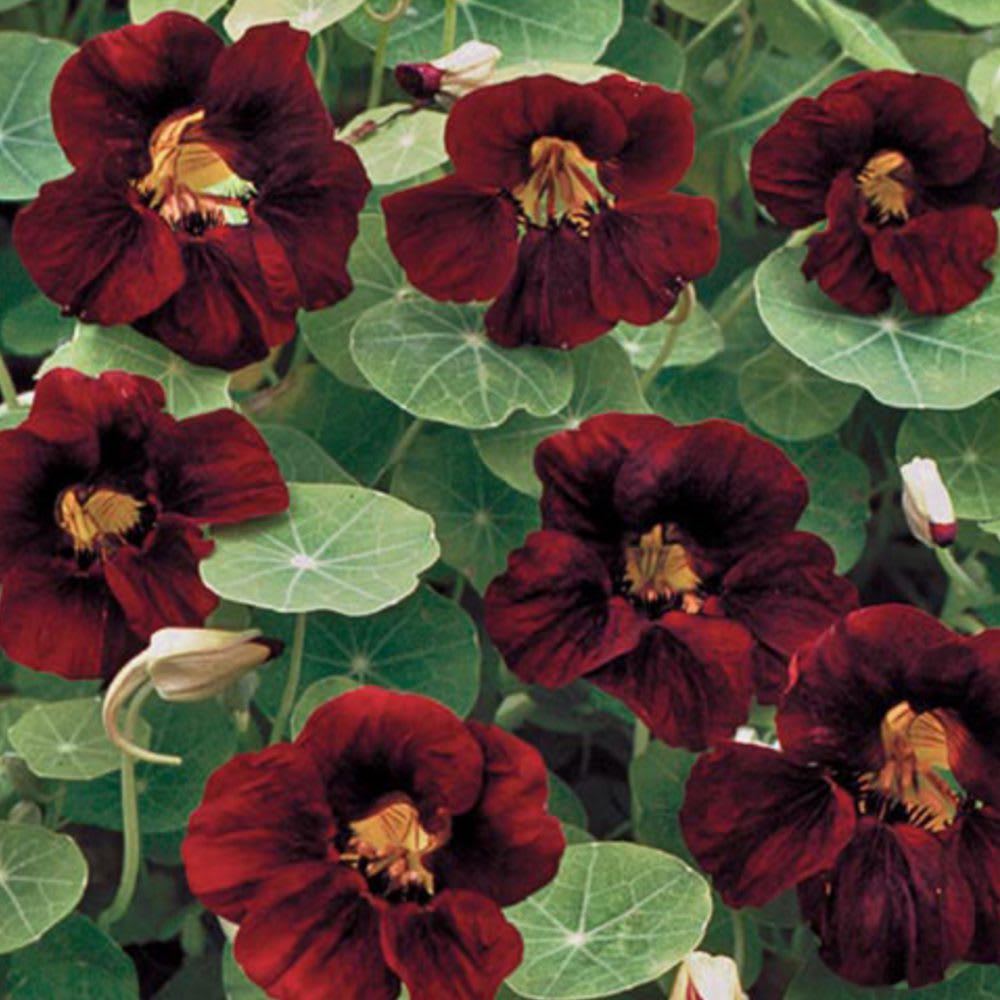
(292, 683)
(378, 66)
(450, 26)
(955, 572)
(675, 321)
(739, 942)
(720, 18)
(132, 840)
(7, 388)
(640, 738)
(319, 73)
(402, 447)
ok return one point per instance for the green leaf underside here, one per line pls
(42, 877)
(615, 916)
(306, 15)
(433, 360)
(190, 389)
(338, 548)
(903, 360)
(406, 143)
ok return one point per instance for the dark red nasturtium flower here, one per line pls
(560, 209)
(882, 805)
(668, 572)
(102, 499)
(209, 199)
(376, 848)
(905, 175)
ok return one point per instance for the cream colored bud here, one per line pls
(454, 75)
(707, 977)
(926, 503)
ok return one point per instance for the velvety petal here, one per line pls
(840, 258)
(111, 95)
(786, 592)
(313, 934)
(977, 854)
(261, 813)
(490, 131)
(895, 906)
(370, 743)
(96, 250)
(507, 846)
(547, 301)
(456, 241)
(216, 469)
(63, 622)
(459, 945)
(553, 613)
(642, 253)
(982, 188)
(689, 679)
(727, 490)
(660, 144)
(936, 259)
(158, 584)
(794, 163)
(759, 823)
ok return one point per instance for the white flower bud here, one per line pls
(926, 503)
(452, 76)
(707, 977)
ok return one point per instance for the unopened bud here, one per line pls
(707, 977)
(452, 76)
(926, 503)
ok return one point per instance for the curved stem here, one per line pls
(450, 29)
(640, 738)
(719, 18)
(402, 447)
(292, 683)
(675, 321)
(378, 66)
(954, 569)
(739, 942)
(319, 73)
(7, 388)
(132, 839)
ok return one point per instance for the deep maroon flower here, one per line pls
(883, 805)
(101, 501)
(905, 175)
(377, 847)
(209, 199)
(667, 572)
(560, 209)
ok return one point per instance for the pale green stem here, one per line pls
(675, 321)
(739, 943)
(292, 683)
(954, 570)
(720, 18)
(402, 447)
(319, 74)
(7, 388)
(450, 26)
(640, 738)
(378, 66)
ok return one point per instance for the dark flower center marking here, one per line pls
(97, 518)
(912, 784)
(388, 847)
(563, 185)
(886, 181)
(190, 183)
(658, 573)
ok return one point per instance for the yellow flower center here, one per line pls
(563, 184)
(886, 181)
(92, 518)
(658, 569)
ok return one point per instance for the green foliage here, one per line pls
(306, 15)
(406, 143)
(143, 10)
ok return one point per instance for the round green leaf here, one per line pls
(966, 447)
(306, 15)
(42, 877)
(29, 153)
(425, 645)
(65, 740)
(860, 37)
(11, 709)
(617, 915)
(646, 52)
(938, 362)
(143, 10)
(300, 459)
(337, 548)
(34, 327)
(700, 339)
(656, 779)
(565, 804)
(698, 10)
(318, 694)
(603, 381)
(978, 13)
(407, 142)
(235, 981)
(189, 389)
(433, 360)
(984, 84)
(550, 30)
(479, 519)
(791, 400)
(687, 395)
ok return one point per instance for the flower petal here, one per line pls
(977, 853)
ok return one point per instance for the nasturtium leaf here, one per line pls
(189, 389)
(29, 153)
(550, 30)
(860, 37)
(479, 519)
(984, 84)
(603, 381)
(730, 932)
(306, 15)
(699, 340)
(977, 13)
(966, 446)
(143, 10)
(315, 695)
(698, 10)
(42, 877)
(75, 959)
(656, 779)
(42, 686)
(839, 486)
(791, 400)
(34, 327)
(565, 803)
(404, 143)
(434, 360)
(646, 52)
(425, 645)
(792, 27)
(615, 916)
(202, 734)
(337, 548)
(905, 360)
(235, 981)
(300, 459)
(65, 740)
(11, 709)
(574, 72)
